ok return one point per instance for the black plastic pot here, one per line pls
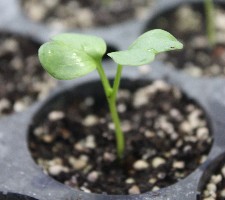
(19, 175)
(118, 13)
(163, 17)
(11, 10)
(14, 197)
(164, 8)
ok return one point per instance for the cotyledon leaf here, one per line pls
(157, 40)
(65, 63)
(70, 56)
(145, 47)
(92, 45)
(133, 57)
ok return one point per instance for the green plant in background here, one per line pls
(106, 2)
(210, 21)
(69, 56)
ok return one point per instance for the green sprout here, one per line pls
(69, 56)
(210, 22)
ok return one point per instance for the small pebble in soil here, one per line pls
(39, 131)
(178, 164)
(185, 127)
(202, 133)
(216, 179)
(121, 108)
(161, 175)
(174, 113)
(203, 159)
(80, 146)
(20, 105)
(161, 86)
(211, 187)
(107, 156)
(57, 169)
(130, 181)
(85, 189)
(93, 176)
(134, 190)
(4, 104)
(126, 126)
(157, 161)
(47, 138)
(155, 188)
(149, 134)
(140, 165)
(90, 142)
(152, 180)
(193, 119)
(89, 101)
(78, 163)
(111, 126)
(90, 120)
(56, 115)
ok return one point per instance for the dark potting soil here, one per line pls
(197, 58)
(215, 187)
(84, 13)
(167, 137)
(22, 79)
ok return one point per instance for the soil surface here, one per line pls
(22, 79)
(84, 13)
(167, 137)
(215, 188)
(197, 58)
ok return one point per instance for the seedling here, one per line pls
(70, 56)
(210, 22)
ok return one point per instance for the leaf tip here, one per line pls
(179, 45)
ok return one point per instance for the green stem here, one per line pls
(111, 99)
(120, 144)
(106, 85)
(114, 113)
(116, 83)
(210, 22)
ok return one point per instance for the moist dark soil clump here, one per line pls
(84, 13)
(215, 188)
(22, 79)
(167, 137)
(197, 58)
